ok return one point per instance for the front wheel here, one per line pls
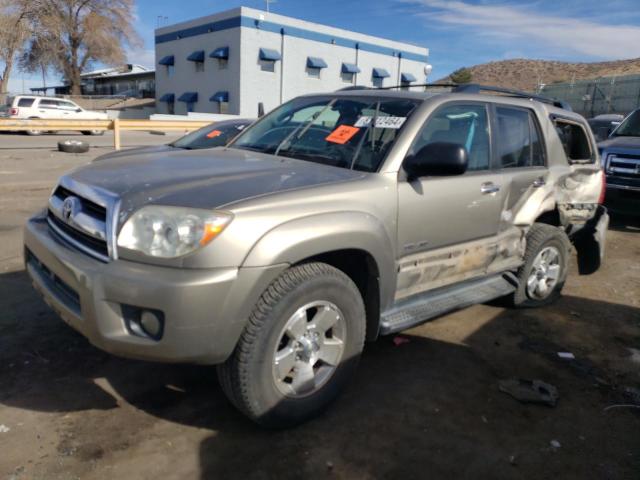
(544, 272)
(93, 132)
(300, 347)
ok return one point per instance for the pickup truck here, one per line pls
(332, 220)
(621, 162)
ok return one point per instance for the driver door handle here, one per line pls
(539, 182)
(489, 187)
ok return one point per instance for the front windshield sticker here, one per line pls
(214, 134)
(382, 121)
(342, 134)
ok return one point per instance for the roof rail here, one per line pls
(477, 88)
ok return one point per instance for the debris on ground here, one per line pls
(530, 391)
(4, 429)
(512, 460)
(632, 394)
(555, 444)
(566, 355)
(399, 340)
(329, 465)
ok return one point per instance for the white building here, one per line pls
(232, 61)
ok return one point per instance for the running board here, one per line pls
(419, 308)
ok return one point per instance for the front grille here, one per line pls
(624, 165)
(83, 224)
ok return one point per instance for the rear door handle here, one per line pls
(488, 188)
(539, 182)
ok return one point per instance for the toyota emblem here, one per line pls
(70, 207)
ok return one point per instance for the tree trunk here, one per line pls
(4, 80)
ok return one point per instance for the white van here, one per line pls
(30, 106)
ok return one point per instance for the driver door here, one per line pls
(446, 223)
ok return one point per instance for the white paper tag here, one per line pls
(381, 122)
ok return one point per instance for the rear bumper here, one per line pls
(203, 311)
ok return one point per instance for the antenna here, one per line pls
(269, 2)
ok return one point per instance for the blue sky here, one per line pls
(458, 33)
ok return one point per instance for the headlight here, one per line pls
(170, 232)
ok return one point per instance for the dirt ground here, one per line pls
(427, 408)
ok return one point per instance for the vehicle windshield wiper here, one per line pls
(304, 126)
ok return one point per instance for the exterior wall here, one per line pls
(246, 31)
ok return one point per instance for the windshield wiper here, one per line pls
(304, 126)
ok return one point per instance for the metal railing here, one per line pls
(117, 125)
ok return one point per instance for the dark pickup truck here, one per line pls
(620, 155)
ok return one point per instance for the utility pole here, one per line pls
(269, 2)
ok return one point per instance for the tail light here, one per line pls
(603, 188)
(13, 111)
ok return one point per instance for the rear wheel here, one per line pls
(544, 272)
(34, 133)
(300, 347)
(93, 132)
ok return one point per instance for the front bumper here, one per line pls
(204, 311)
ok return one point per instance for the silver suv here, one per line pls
(332, 220)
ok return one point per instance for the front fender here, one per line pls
(302, 238)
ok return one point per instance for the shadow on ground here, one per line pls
(426, 408)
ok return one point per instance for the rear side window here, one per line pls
(25, 102)
(519, 139)
(574, 141)
(44, 103)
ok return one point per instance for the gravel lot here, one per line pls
(427, 408)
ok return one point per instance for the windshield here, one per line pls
(353, 132)
(630, 127)
(214, 135)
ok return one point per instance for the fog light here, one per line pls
(150, 323)
(143, 322)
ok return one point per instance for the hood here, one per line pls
(203, 178)
(621, 142)
(134, 151)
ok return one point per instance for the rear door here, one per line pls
(48, 108)
(520, 155)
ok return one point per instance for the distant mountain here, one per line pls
(525, 74)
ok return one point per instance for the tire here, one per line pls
(73, 146)
(93, 132)
(34, 133)
(542, 240)
(250, 377)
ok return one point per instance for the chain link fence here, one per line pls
(598, 96)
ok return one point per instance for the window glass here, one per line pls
(199, 66)
(574, 141)
(313, 72)
(210, 136)
(170, 70)
(334, 131)
(25, 102)
(347, 77)
(267, 65)
(465, 125)
(519, 139)
(46, 103)
(378, 82)
(67, 105)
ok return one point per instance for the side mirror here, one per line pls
(437, 159)
(78, 109)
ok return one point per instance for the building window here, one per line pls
(223, 63)
(170, 70)
(378, 82)
(190, 106)
(267, 65)
(199, 66)
(313, 72)
(170, 108)
(348, 77)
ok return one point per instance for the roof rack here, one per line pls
(477, 88)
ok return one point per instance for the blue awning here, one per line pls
(407, 78)
(219, 97)
(268, 54)
(189, 97)
(221, 53)
(380, 73)
(168, 97)
(350, 68)
(168, 60)
(197, 56)
(316, 62)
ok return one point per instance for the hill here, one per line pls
(525, 74)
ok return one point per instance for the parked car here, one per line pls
(621, 162)
(217, 134)
(48, 108)
(603, 125)
(332, 220)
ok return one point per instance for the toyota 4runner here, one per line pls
(332, 220)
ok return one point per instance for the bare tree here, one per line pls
(14, 31)
(73, 34)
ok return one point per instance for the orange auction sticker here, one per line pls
(342, 134)
(214, 134)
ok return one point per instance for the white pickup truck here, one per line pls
(49, 108)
